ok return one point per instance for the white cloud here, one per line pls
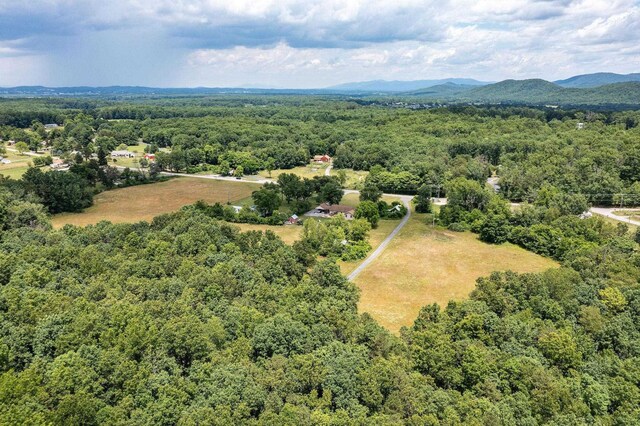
(313, 43)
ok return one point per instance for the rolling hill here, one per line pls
(536, 92)
(597, 79)
(444, 91)
(403, 86)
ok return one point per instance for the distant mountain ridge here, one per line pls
(542, 92)
(403, 86)
(578, 81)
(523, 92)
(597, 79)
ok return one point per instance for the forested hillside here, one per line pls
(186, 321)
(594, 154)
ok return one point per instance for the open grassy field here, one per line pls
(355, 178)
(288, 233)
(354, 199)
(423, 265)
(19, 164)
(144, 202)
(308, 171)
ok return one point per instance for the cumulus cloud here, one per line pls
(312, 43)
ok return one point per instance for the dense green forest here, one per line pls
(188, 321)
(405, 149)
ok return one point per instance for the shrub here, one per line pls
(458, 227)
(355, 251)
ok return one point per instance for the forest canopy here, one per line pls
(186, 320)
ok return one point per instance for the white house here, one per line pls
(122, 154)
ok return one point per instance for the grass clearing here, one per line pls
(288, 233)
(423, 265)
(15, 172)
(144, 202)
(355, 178)
(354, 199)
(308, 171)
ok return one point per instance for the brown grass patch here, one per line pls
(423, 265)
(308, 171)
(144, 202)
(288, 233)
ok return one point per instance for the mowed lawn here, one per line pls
(308, 171)
(423, 265)
(18, 166)
(144, 202)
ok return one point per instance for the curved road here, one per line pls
(608, 212)
(378, 251)
(406, 200)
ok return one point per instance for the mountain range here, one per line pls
(533, 92)
(403, 86)
(600, 89)
(597, 79)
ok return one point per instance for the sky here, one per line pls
(310, 43)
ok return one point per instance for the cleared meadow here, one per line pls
(144, 202)
(423, 265)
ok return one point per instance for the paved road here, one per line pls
(608, 212)
(31, 153)
(406, 200)
(218, 177)
(378, 251)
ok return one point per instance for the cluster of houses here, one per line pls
(325, 210)
(122, 154)
(129, 154)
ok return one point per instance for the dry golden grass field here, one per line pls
(423, 265)
(288, 233)
(308, 171)
(144, 202)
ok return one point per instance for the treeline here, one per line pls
(73, 190)
(555, 224)
(583, 152)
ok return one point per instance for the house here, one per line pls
(4, 161)
(293, 219)
(321, 158)
(50, 126)
(334, 209)
(58, 164)
(580, 126)
(122, 154)
(150, 157)
(236, 209)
